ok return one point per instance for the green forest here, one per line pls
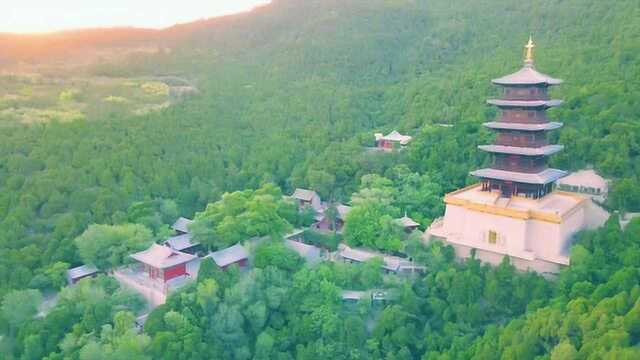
(289, 96)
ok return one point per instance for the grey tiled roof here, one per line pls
(304, 194)
(229, 255)
(309, 252)
(81, 271)
(180, 242)
(360, 255)
(182, 225)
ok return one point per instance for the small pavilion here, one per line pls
(408, 224)
(392, 140)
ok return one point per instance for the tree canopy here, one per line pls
(293, 100)
(242, 215)
(108, 246)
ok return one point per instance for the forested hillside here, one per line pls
(290, 94)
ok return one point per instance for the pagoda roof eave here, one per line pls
(524, 103)
(528, 75)
(544, 177)
(526, 151)
(503, 125)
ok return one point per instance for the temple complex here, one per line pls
(514, 210)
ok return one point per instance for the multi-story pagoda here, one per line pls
(521, 148)
(514, 211)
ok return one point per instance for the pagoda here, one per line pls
(514, 211)
(521, 148)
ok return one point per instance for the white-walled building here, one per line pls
(535, 233)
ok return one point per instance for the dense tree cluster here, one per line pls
(293, 100)
(108, 246)
(377, 205)
(91, 318)
(243, 215)
(283, 310)
(595, 313)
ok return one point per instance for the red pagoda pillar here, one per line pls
(521, 148)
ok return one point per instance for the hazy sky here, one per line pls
(49, 15)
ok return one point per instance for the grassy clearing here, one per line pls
(33, 98)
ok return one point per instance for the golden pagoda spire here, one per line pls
(529, 51)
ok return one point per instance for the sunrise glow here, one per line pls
(33, 16)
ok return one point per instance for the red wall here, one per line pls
(175, 271)
(385, 144)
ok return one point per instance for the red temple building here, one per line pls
(391, 141)
(163, 263)
(521, 148)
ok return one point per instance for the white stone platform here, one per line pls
(535, 233)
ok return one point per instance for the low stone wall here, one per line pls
(542, 267)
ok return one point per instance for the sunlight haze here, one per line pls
(27, 16)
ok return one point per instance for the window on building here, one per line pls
(493, 237)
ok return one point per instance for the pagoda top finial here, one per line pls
(528, 59)
(527, 75)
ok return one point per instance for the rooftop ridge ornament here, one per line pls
(528, 59)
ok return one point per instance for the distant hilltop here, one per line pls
(57, 45)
